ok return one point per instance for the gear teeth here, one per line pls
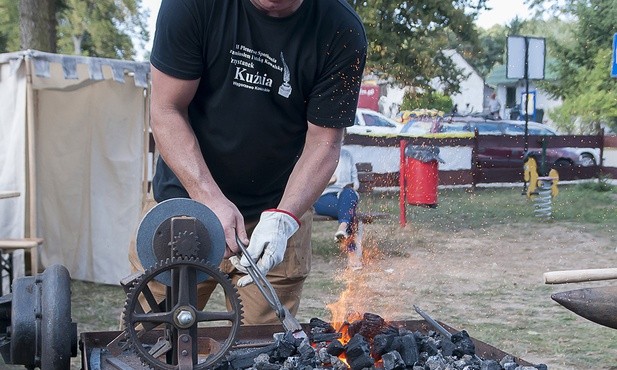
(130, 296)
(185, 244)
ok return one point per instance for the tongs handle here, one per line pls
(434, 323)
(262, 283)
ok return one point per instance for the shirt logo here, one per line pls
(250, 68)
(285, 88)
(243, 75)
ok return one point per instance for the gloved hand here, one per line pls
(268, 242)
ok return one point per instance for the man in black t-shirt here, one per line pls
(250, 99)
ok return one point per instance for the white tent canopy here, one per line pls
(73, 133)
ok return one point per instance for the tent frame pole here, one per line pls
(31, 199)
(146, 150)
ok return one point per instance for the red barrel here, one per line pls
(421, 180)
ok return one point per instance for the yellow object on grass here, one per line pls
(530, 175)
(555, 176)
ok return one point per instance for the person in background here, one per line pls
(494, 106)
(249, 102)
(340, 200)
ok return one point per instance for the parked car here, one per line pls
(512, 157)
(587, 156)
(372, 122)
(420, 126)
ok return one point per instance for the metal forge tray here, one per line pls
(94, 355)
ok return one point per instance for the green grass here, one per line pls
(461, 208)
(96, 306)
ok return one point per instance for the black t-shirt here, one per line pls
(262, 78)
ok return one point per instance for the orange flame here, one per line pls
(341, 315)
(356, 299)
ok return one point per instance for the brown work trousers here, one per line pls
(287, 278)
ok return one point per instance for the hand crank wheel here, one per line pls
(180, 318)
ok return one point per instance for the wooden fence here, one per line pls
(475, 174)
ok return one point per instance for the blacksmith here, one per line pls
(249, 102)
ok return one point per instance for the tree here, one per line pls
(592, 100)
(582, 64)
(406, 38)
(9, 26)
(102, 28)
(492, 49)
(37, 24)
(433, 100)
(492, 45)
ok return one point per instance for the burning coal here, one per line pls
(368, 342)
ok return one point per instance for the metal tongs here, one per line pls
(443, 331)
(287, 319)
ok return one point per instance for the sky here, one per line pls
(502, 12)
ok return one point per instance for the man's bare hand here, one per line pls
(232, 222)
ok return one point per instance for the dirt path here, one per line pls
(489, 283)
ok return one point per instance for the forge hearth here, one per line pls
(369, 343)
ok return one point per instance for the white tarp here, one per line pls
(89, 120)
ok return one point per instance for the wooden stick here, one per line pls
(146, 150)
(32, 106)
(578, 276)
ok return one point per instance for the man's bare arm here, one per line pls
(313, 170)
(178, 146)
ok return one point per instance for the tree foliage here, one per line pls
(101, 28)
(104, 28)
(492, 49)
(592, 100)
(9, 26)
(432, 100)
(582, 64)
(492, 44)
(406, 38)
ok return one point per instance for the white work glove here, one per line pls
(268, 242)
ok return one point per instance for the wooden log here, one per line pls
(578, 276)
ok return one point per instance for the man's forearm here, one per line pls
(312, 171)
(178, 146)
(174, 136)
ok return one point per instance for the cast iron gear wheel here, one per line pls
(185, 244)
(136, 321)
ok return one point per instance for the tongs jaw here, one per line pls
(287, 319)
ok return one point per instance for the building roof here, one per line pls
(498, 75)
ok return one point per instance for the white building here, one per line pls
(474, 92)
(473, 95)
(510, 93)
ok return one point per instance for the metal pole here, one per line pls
(402, 185)
(526, 145)
(526, 94)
